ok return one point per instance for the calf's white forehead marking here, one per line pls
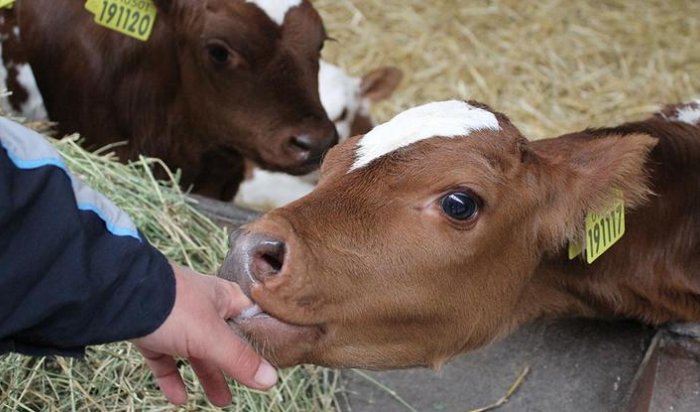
(276, 9)
(452, 118)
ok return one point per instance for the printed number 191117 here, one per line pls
(603, 230)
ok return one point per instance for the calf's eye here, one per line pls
(460, 205)
(219, 54)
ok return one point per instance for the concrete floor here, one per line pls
(575, 365)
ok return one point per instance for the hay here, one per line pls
(509, 393)
(553, 66)
(114, 377)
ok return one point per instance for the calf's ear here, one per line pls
(577, 174)
(381, 83)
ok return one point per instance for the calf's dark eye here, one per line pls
(460, 205)
(219, 54)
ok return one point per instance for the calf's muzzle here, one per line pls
(255, 261)
(300, 148)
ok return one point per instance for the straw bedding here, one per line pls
(552, 65)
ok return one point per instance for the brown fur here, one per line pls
(379, 277)
(169, 99)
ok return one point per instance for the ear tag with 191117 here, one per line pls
(603, 230)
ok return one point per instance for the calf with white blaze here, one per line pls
(445, 228)
(347, 101)
(217, 81)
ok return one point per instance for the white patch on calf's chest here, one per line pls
(452, 118)
(331, 87)
(276, 9)
(339, 93)
(33, 108)
(268, 190)
(4, 100)
(689, 114)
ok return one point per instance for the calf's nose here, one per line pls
(310, 146)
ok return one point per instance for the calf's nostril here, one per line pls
(273, 262)
(268, 258)
(302, 143)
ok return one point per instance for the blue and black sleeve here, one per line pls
(74, 270)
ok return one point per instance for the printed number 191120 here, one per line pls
(134, 18)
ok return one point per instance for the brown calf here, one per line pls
(445, 228)
(217, 81)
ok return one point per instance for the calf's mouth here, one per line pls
(281, 341)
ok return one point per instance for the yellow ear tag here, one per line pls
(134, 18)
(602, 230)
(575, 249)
(7, 4)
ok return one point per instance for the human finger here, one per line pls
(213, 382)
(167, 376)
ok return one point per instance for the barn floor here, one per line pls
(553, 66)
(576, 365)
(573, 366)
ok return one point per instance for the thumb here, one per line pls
(228, 351)
(229, 299)
(237, 359)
